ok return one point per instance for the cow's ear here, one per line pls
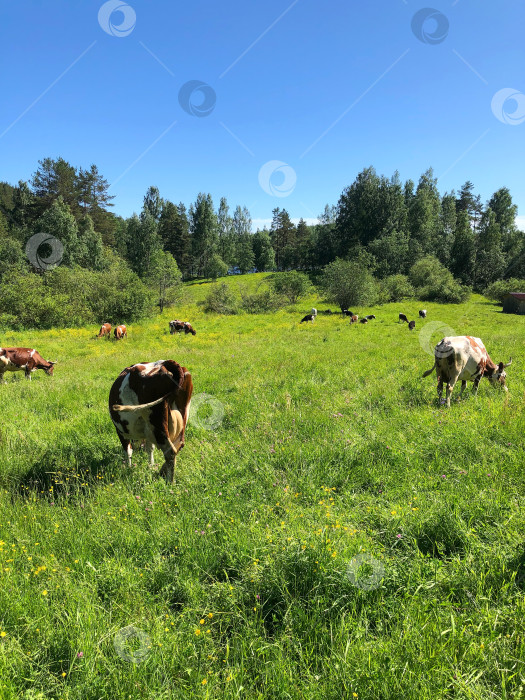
(500, 366)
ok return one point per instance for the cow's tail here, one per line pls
(141, 406)
(429, 371)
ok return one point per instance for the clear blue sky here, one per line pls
(401, 103)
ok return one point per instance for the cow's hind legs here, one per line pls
(170, 457)
(463, 387)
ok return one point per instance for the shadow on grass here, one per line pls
(68, 473)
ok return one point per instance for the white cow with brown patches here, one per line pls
(466, 358)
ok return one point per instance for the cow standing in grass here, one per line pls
(151, 401)
(105, 330)
(120, 332)
(23, 360)
(466, 358)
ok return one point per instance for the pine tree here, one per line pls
(175, 236)
(203, 226)
(490, 260)
(263, 251)
(463, 249)
(282, 237)
(153, 203)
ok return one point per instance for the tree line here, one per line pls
(387, 224)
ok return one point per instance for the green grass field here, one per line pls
(244, 577)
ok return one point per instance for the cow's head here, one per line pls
(498, 376)
(49, 370)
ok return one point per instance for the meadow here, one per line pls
(332, 531)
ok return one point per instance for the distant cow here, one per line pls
(151, 401)
(328, 312)
(120, 332)
(23, 359)
(466, 358)
(423, 313)
(364, 320)
(345, 312)
(180, 326)
(308, 317)
(411, 325)
(105, 330)
(314, 312)
(402, 317)
(354, 319)
(370, 317)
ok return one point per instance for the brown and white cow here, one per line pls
(23, 359)
(354, 319)
(105, 330)
(120, 332)
(151, 401)
(466, 358)
(179, 326)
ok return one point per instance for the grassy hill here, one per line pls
(321, 450)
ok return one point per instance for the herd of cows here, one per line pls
(150, 402)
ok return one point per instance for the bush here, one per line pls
(66, 297)
(220, 300)
(433, 282)
(396, 288)
(261, 302)
(497, 290)
(349, 283)
(215, 267)
(292, 285)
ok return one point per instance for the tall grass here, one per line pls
(240, 574)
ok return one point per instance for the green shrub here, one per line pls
(292, 285)
(396, 288)
(433, 282)
(261, 302)
(220, 300)
(349, 283)
(497, 290)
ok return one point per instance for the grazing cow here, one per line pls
(466, 358)
(327, 311)
(26, 359)
(179, 326)
(402, 317)
(345, 312)
(364, 320)
(370, 317)
(151, 401)
(105, 330)
(411, 325)
(314, 312)
(120, 332)
(354, 319)
(308, 317)
(423, 313)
